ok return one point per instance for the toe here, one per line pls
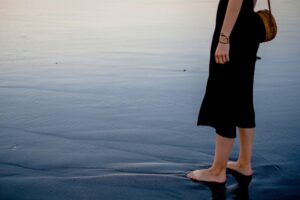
(189, 174)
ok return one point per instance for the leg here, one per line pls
(243, 164)
(217, 172)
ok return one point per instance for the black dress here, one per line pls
(228, 99)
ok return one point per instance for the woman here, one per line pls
(228, 100)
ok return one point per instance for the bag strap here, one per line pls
(270, 14)
(269, 4)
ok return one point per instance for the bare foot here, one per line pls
(235, 165)
(207, 175)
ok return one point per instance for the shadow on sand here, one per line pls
(237, 191)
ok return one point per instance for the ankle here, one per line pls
(243, 164)
(217, 171)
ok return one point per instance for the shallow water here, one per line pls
(99, 100)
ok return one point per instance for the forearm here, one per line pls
(254, 3)
(232, 12)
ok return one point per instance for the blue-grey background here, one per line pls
(99, 100)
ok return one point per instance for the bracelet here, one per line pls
(226, 38)
(224, 42)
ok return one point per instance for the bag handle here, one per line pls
(270, 13)
(269, 5)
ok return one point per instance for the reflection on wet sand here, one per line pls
(218, 191)
(237, 191)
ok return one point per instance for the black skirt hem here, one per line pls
(227, 132)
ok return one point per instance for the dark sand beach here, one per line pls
(99, 100)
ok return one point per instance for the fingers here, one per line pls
(217, 58)
(222, 53)
(221, 58)
(227, 57)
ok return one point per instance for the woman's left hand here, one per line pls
(222, 53)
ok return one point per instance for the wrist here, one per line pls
(224, 38)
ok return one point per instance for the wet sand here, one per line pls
(99, 100)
